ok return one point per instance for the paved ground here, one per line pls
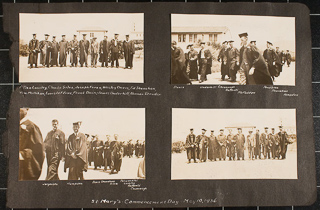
(82, 74)
(247, 169)
(129, 170)
(287, 77)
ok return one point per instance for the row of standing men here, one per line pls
(267, 145)
(51, 51)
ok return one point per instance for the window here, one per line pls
(190, 38)
(91, 34)
(195, 38)
(184, 37)
(179, 38)
(210, 37)
(215, 37)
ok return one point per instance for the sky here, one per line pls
(215, 119)
(279, 30)
(128, 123)
(68, 24)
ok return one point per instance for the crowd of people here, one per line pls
(76, 151)
(266, 145)
(254, 67)
(54, 53)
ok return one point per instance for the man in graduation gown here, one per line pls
(233, 61)
(193, 63)
(94, 52)
(63, 50)
(288, 58)
(275, 144)
(203, 145)
(142, 150)
(84, 46)
(265, 138)
(76, 154)
(74, 50)
(115, 50)
(252, 64)
(191, 146)
(90, 150)
(223, 57)
(97, 148)
(104, 51)
(33, 51)
(128, 50)
(205, 62)
(270, 57)
(45, 49)
(279, 61)
(212, 146)
(107, 154)
(55, 150)
(116, 155)
(240, 142)
(137, 148)
(231, 142)
(222, 141)
(54, 52)
(251, 145)
(178, 65)
(283, 142)
(130, 148)
(31, 149)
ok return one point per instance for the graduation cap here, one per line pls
(212, 130)
(239, 128)
(250, 131)
(243, 34)
(224, 42)
(34, 34)
(272, 129)
(127, 34)
(105, 36)
(87, 135)
(202, 43)
(280, 126)
(63, 35)
(174, 42)
(270, 43)
(46, 35)
(75, 35)
(266, 128)
(253, 41)
(84, 34)
(287, 50)
(93, 135)
(230, 41)
(191, 129)
(53, 36)
(77, 123)
(94, 37)
(116, 34)
(221, 129)
(203, 129)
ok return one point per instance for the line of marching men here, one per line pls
(99, 152)
(254, 68)
(51, 51)
(265, 145)
(56, 148)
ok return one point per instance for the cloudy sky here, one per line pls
(279, 30)
(128, 123)
(215, 119)
(68, 24)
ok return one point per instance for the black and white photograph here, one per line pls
(234, 144)
(81, 47)
(232, 50)
(81, 144)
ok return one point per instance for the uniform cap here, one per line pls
(243, 34)
(253, 41)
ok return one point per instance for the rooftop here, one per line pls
(203, 29)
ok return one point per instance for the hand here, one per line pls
(237, 63)
(251, 71)
(273, 63)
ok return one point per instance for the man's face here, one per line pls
(63, 38)
(54, 39)
(23, 113)
(34, 36)
(191, 131)
(202, 46)
(116, 36)
(192, 48)
(280, 129)
(116, 137)
(174, 45)
(212, 133)
(221, 132)
(84, 37)
(257, 131)
(277, 48)
(244, 40)
(231, 44)
(76, 128)
(272, 131)
(239, 131)
(105, 38)
(46, 37)
(127, 38)
(203, 132)
(55, 125)
(74, 38)
(266, 130)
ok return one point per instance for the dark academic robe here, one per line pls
(45, 49)
(212, 145)
(178, 67)
(233, 58)
(33, 51)
(240, 141)
(193, 63)
(74, 50)
(142, 150)
(54, 53)
(130, 149)
(251, 57)
(116, 156)
(288, 58)
(128, 50)
(283, 143)
(104, 52)
(205, 63)
(223, 57)
(90, 153)
(222, 142)
(270, 57)
(76, 145)
(84, 46)
(107, 155)
(63, 50)
(137, 149)
(31, 150)
(279, 61)
(55, 150)
(231, 153)
(115, 49)
(203, 145)
(97, 147)
(191, 146)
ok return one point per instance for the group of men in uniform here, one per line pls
(254, 68)
(100, 153)
(52, 51)
(220, 147)
(73, 151)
